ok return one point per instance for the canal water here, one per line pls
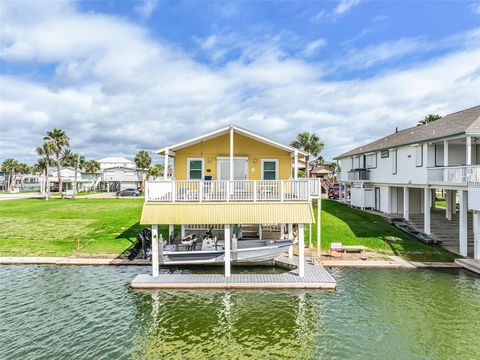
(67, 312)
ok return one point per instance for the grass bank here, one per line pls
(355, 227)
(100, 227)
(35, 227)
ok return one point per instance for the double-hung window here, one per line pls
(269, 169)
(195, 168)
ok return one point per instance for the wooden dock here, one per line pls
(469, 264)
(316, 277)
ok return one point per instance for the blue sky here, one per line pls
(121, 76)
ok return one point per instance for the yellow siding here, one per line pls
(227, 213)
(210, 149)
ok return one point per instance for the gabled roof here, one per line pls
(462, 122)
(225, 130)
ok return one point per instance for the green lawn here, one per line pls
(354, 227)
(441, 203)
(35, 227)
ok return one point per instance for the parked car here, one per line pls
(128, 192)
(334, 192)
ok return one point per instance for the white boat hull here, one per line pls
(247, 251)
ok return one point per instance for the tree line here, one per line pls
(55, 152)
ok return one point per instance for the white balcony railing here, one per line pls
(453, 175)
(235, 190)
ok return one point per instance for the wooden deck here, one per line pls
(469, 264)
(316, 277)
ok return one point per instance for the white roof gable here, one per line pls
(225, 130)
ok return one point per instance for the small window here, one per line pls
(195, 169)
(371, 161)
(419, 156)
(385, 154)
(269, 169)
(394, 161)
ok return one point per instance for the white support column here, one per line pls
(448, 199)
(227, 250)
(468, 155)
(295, 164)
(319, 226)
(309, 235)
(282, 231)
(406, 203)
(231, 153)
(234, 247)
(155, 265)
(170, 233)
(388, 210)
(454, 202)
(345, 193)
(260, 231)
(341, 186)
(301, 250)
(165, 166)
(426, 210)
(476, 235)
(161, 260)
(463, 220)
(290, 237)
(182, 231)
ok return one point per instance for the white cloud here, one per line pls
(342, 7)
(116, 90)
(345, 6)
(146, 8)
(313, 47)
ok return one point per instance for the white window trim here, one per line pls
(276, 167)
(419, 147)
(188, 167)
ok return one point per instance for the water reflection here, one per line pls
(225, 324)
(50, 312)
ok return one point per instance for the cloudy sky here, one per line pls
(120, 76)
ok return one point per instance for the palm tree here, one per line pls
(92, 167)
(155, 171)
(77, 161)
(10, 168)
(429, 118)
(23, 169)
(59, 140)
(143, 161)
(311, 144)
(46, 152)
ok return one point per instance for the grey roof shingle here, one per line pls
(465, 121)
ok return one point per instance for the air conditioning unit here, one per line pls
(474, 196)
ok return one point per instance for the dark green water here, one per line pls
(49, 312)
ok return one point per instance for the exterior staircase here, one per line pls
(445, 230)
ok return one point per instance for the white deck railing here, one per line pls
(235, 190)
(453, 175)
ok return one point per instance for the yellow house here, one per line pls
(230, 176)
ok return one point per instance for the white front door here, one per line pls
(239, 169)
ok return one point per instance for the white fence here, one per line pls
(235, 190)
(453, 175)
